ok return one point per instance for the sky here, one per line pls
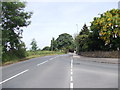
(50, 19)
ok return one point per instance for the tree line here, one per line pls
(103, 34)
(64, 42)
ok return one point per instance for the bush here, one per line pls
(14, 55)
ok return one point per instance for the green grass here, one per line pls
(42, 53)
(31, 54)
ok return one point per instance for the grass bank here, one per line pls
(42, 53)
(31, 54)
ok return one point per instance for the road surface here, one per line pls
(60, 71)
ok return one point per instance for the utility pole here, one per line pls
(77, 28)
(77, 34)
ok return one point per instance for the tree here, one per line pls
(108, 28)
(13, 18)
(46, 48)
(64, 41)
(53, 46)
(82, 43)
(95, 43)
(104, 33)
(34, 45)
(82, 40)
(84, 30)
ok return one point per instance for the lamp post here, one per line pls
(77, 34)
(77, 28)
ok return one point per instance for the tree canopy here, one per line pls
(81, 40)
(107, 27)
(13, 18)
(64, 41)
(104, 33)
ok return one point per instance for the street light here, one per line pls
(77, 28)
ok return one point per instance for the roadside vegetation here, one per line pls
(13, 19)
(102, 35)
(30, 55)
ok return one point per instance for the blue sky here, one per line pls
(51, 19)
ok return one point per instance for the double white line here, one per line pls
(71, 74)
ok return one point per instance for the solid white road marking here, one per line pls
(71, 85)
(14, 76)
(71, 73)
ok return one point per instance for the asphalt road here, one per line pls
(60, 71)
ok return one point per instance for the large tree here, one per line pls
(13, 18)
(82, 40)
(82, 43)
(107, 27)
(64, 41)
(94, 39)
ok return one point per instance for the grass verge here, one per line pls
(31, 54)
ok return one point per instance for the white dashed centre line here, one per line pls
(71, 74)
(71, 79)
(42, 63)
(46, 61)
